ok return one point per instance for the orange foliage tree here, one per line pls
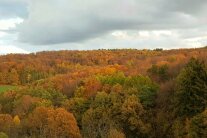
(53, 123)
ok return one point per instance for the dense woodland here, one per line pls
(124, 93)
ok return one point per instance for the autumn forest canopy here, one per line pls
(124, 93)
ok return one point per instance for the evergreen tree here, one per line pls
(198, 126)
(191, 94)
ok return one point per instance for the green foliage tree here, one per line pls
(56, 97)
(7, 100)
(198, 126)
(145, 89)
(191, 94)
(96, 121)
(116, 78)
(25, 76)
(159, 73)
(29, 75)
(77, 106)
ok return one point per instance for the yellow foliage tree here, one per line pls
(16, 120)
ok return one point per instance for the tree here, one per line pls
(6, 100)
(96, 121)
(77, 106)
(13, 77)
(198, 126)
(92, 85)
(56, 97)
(6, 123)
(117, 88)
(16, 120)
(159, 73)
(49, 122)
(144, 88)
(24, 105)
(3, 78)
(116, 78)
(17, 126)
(114, 133)
(132, 116)
(115, 111)
(191, 93)
(25, 76)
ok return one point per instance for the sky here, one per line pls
(40, 25)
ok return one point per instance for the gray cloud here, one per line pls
(89, 24)
(62, 21)
(12, 9)
(187, 6)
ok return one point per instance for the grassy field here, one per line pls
(4, 88)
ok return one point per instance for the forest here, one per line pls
(113, 93)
